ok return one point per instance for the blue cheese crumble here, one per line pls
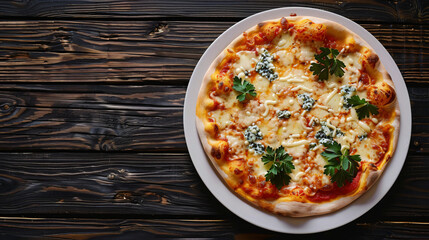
(325, 134)
(252, 134)
(258, 148)
(307, 101)
(340, 133)
(347, 92)
(265, 66)
(363, 136)
(284, 114)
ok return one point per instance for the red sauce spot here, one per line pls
(237, 171)
(217, 105)
(252, 179)
(263, 37)
(277, 31)
(330, 42)
(226, 67)
(321, 84)
(269, 192)
(322, 196)
(293, 14)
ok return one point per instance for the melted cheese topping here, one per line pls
(291, 60)
(245, 61)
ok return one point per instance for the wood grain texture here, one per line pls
(91, 101)
(92, 117)
(84, 183)
(154, 52)
(415, 11)
(147, 184)
(87, 117)
(218, 228)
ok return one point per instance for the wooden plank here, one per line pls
(146, 184)
(70, 117)
(219, 228)
(385, 11)
(155, 52)
(91, 117)
(79, 183)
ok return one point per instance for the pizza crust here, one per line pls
(301, 209)
(294, 208)
(204, 136)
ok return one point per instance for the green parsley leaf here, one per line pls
(363, 108)
(333, 151)
(342, 167)
(281, 166)
(327, 64)
(244, 88)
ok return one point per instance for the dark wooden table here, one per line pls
(91, 130)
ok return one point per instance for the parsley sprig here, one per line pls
(327, 64)
(341, 166)
(281, 166)
(244, 88)
(363, 108)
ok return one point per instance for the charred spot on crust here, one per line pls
(261, 24)
(216, 153)
(382, 96)
(294, 212)
(391, 95)
(216, 128)
(373, 59)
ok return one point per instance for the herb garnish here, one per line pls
(281, 166)
(244, 88)
(363, 108)
(341, 166)
(327, 64)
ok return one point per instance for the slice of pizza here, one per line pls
(298, 116)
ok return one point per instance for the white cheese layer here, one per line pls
(292, 61)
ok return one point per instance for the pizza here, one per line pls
(298, 116)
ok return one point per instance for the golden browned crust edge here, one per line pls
(299, 209)
(204, 137)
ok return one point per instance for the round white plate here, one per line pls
(271, 221)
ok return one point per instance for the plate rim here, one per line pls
(251, 213)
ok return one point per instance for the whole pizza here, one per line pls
(298, 116)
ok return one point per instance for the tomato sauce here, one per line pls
(330, 42)
(226, 67)
(322, 196)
